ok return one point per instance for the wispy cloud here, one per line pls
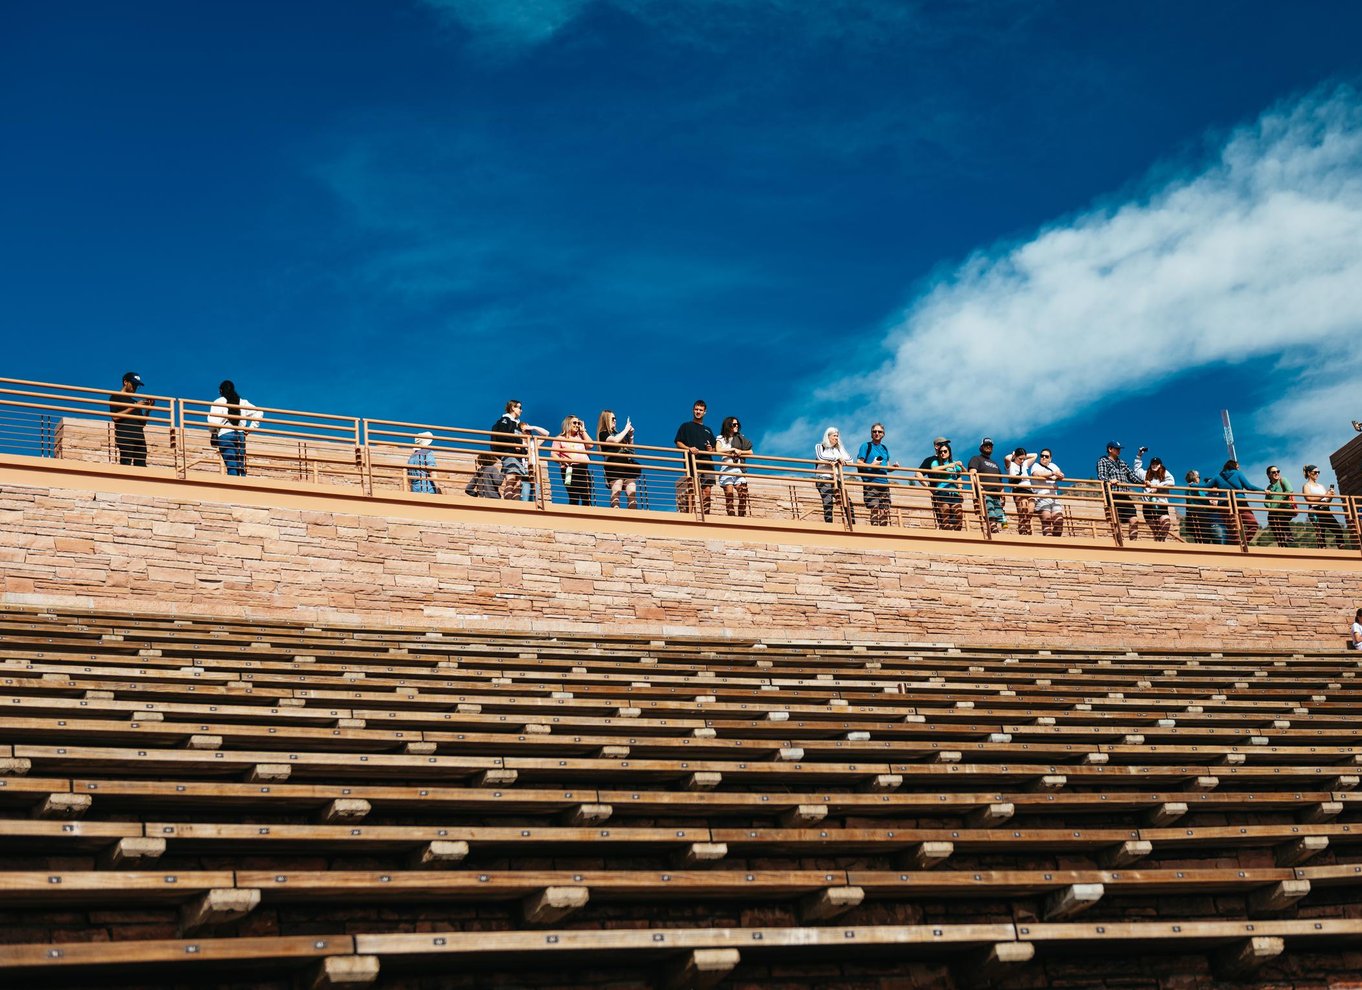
(514, 26)
(1255, 254)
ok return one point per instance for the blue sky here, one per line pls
(1051, 222)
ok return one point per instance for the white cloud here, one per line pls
(1259, 253)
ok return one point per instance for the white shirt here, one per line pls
(828, 456)
(247, 419)
(1357, 634)
(1043, 474)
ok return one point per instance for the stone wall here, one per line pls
(116, 538)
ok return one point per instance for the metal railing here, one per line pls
(447, 463)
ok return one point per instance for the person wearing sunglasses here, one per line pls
(1318, 499)
(1046, 476)
(1281, 506)
(873, 463)
(569, 450)
(733, 449)
(942, 473)
(622, 470)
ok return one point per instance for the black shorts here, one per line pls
(1152, 512)
(1125, 508)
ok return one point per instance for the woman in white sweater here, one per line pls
(829, 453)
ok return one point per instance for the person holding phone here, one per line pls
(873, 464)
(129, 415)
(697, 439)
(1318, 500)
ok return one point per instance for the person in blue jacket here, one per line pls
(1232, 479)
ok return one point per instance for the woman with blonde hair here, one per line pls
(829, 453)
(621, 469)
(574, 463)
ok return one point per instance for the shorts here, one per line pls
(1125, 508)
(514, 465)
(1050, 505)
(727, 479)
(947, 496)
(876, 496)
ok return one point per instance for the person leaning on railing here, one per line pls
(1232, 479)
(1018, 465)
(1045, 479)
(1115, 472)
(569, 450)
(828, 453)
(942, 473)
(697, 438)
(1281, 506)
(989, 473)
(873, 463)
(1205, 516)
(1157, 510)
(129, 415)
(510, 439)
(1318, 500)
(421, 466)
(1355, 637)
(734, 449)
(230, 418)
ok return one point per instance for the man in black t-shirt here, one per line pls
(990, 483)
(129, 415)
(698, 439)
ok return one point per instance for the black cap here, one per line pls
(134, 377)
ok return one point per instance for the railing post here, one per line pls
(177, 438)
(697, 497)
(364, 463)
(1113, 519)
(1238, 523)
(980, 506)
(1352, 519)
(843, 499)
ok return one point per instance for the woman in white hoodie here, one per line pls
(827, 454)
(231, 418)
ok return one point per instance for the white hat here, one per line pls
(423, 438)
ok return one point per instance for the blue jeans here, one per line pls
(231, 444)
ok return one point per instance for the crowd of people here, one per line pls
(1032, 480)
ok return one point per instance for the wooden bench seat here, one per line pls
(290, 798)
(90, 759)
(191, 958)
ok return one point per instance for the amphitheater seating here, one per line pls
(280, 801)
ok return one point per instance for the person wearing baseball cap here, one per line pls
(129, 415)
(990, 482)
(1117, 473)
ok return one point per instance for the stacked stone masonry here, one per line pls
(206, 552)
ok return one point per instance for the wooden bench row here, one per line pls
(693, 956)
(59, 797)
(698, 774)
(537, 740)
(920, 847)
(820, 895)
(1153, 678)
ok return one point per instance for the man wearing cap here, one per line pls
(1116, 472)
(942, 473)
(990, 483)
(129, 415)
